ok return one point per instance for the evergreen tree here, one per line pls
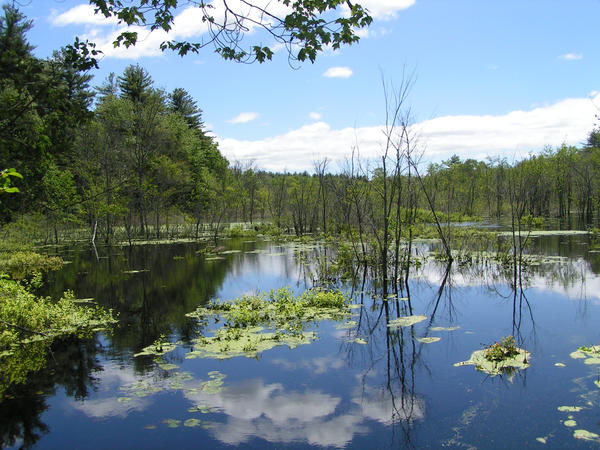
(181, 102)
(135, 83)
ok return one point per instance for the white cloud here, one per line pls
(512, 135)
(338, 72)
(571, 56)
(270, 412)
(318, 365)
(244, 117)
(81, 15)
(386, 9)
(315, 115)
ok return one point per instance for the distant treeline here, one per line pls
(129, 156)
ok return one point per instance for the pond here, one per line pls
(362, 383)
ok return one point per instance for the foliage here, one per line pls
(303, 27)
(42, 101)
(499, 359)
(23, 264)
(503, 350)
(279, 310)
(44, 319)
(30, 324)
(5, 175)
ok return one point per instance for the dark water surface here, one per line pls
(392, 392)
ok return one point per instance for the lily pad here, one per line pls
(570, 408)
(493, 368)
(157, 349)
(586, 435)
(346, 325)
(172, 423)
(192, 423)
(570, 423)
(428, 340)
(405, 321)
(444, 328)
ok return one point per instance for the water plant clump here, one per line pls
(500, 358)
(503, 350)
(30, 324)
(159, 347)
(253, 324)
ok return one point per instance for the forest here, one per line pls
(126, 159)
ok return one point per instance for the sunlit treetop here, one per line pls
(303, 27)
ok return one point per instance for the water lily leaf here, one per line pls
(586, 435)
(346, 325)
(578, 354)
(192, 423)
(405, 321)
(444, 328)
(172, 423)
(560, 365)
(167, 366)
(124, 399)
(570, 423)
(157, 349)
(493, 368)
(176, 385)
(570, 408)
(359, 341)
(428, 340)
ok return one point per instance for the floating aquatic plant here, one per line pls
(192, 423)
(503, 350)
(428, 340)
(405, 321)
(172, 423)
(444, 328)
(158, 348)
(499, 358)
(253, 324)
(586, 435)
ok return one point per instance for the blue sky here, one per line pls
(490, 79)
